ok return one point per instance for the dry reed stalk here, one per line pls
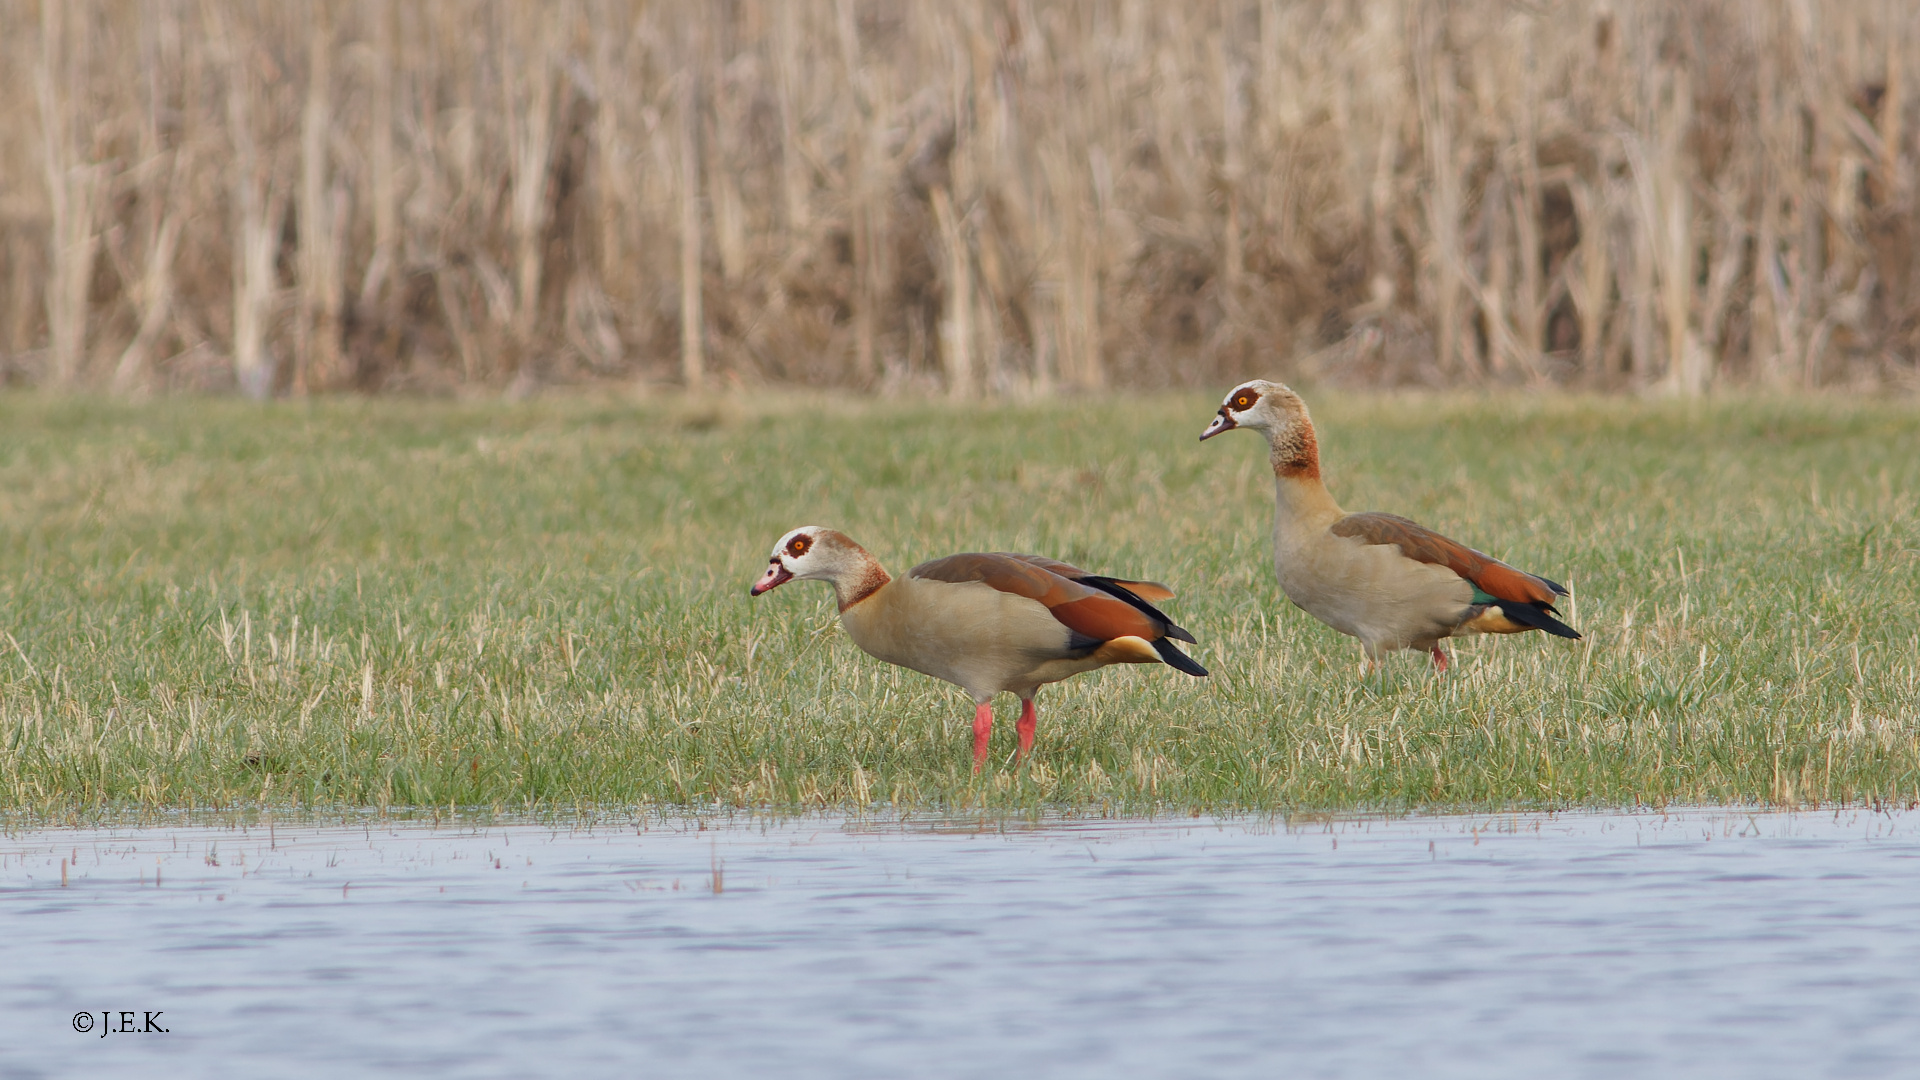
(617, 202)
(693, 363)
(317, 322)
(1072, 251)
(1233, 165)
(383, 181)
(1443, 198)
(1532, 296)
(73, 187)
(956, 321)
(1727, 257)
(723, 114)
(528, 86)
(1667, 208)
(1612, 194)
(793, 171)
(1590, 272)
(259, 197)
(862, 229)
(1641, 203)
(1774, 330)
(861, 149)
(1894, 30)
(152, 293)
(150, 289)
(1811, 256)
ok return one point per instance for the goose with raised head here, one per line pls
(985, 622)
(1388, 581)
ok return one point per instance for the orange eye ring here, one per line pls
(1244, 400)
(799, 545)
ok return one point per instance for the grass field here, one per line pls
(392, 604)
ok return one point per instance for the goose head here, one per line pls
(1275, 410)
(1269, 407)
(812, 553)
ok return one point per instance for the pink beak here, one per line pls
(775, 576)
(1221, 423)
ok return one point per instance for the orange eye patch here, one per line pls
(1244, 400)
(799, 545)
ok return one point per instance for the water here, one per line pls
(1710, 943)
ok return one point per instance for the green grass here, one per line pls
(409, 604)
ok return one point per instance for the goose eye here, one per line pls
(1244, 399)
(799, 545)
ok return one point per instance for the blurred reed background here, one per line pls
(1008, 197)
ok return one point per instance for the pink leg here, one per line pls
(1028, 716)
(1439, 660)
(982, 728)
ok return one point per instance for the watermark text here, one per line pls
(122, 1022)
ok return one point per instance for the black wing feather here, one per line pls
(1176, 659)
(1536, 616)
(1114, 588)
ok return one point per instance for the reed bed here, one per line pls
(402, 604)
(1008, 197)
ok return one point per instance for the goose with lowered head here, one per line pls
(986, 622)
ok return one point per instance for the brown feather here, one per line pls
(1055, 566)
(1145, 590)
(1421, 544)
(1104, 618)
(1080, 608)
(1005, 573)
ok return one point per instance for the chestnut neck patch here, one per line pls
(872, 578)
(1296, 454)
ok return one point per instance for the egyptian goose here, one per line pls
(1379, 577)
(985, 622)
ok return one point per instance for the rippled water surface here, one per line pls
(1710, 943)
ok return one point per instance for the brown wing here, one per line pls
(1145, 590)
(1421, 544)
(1055, 566)
(1084, 610)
